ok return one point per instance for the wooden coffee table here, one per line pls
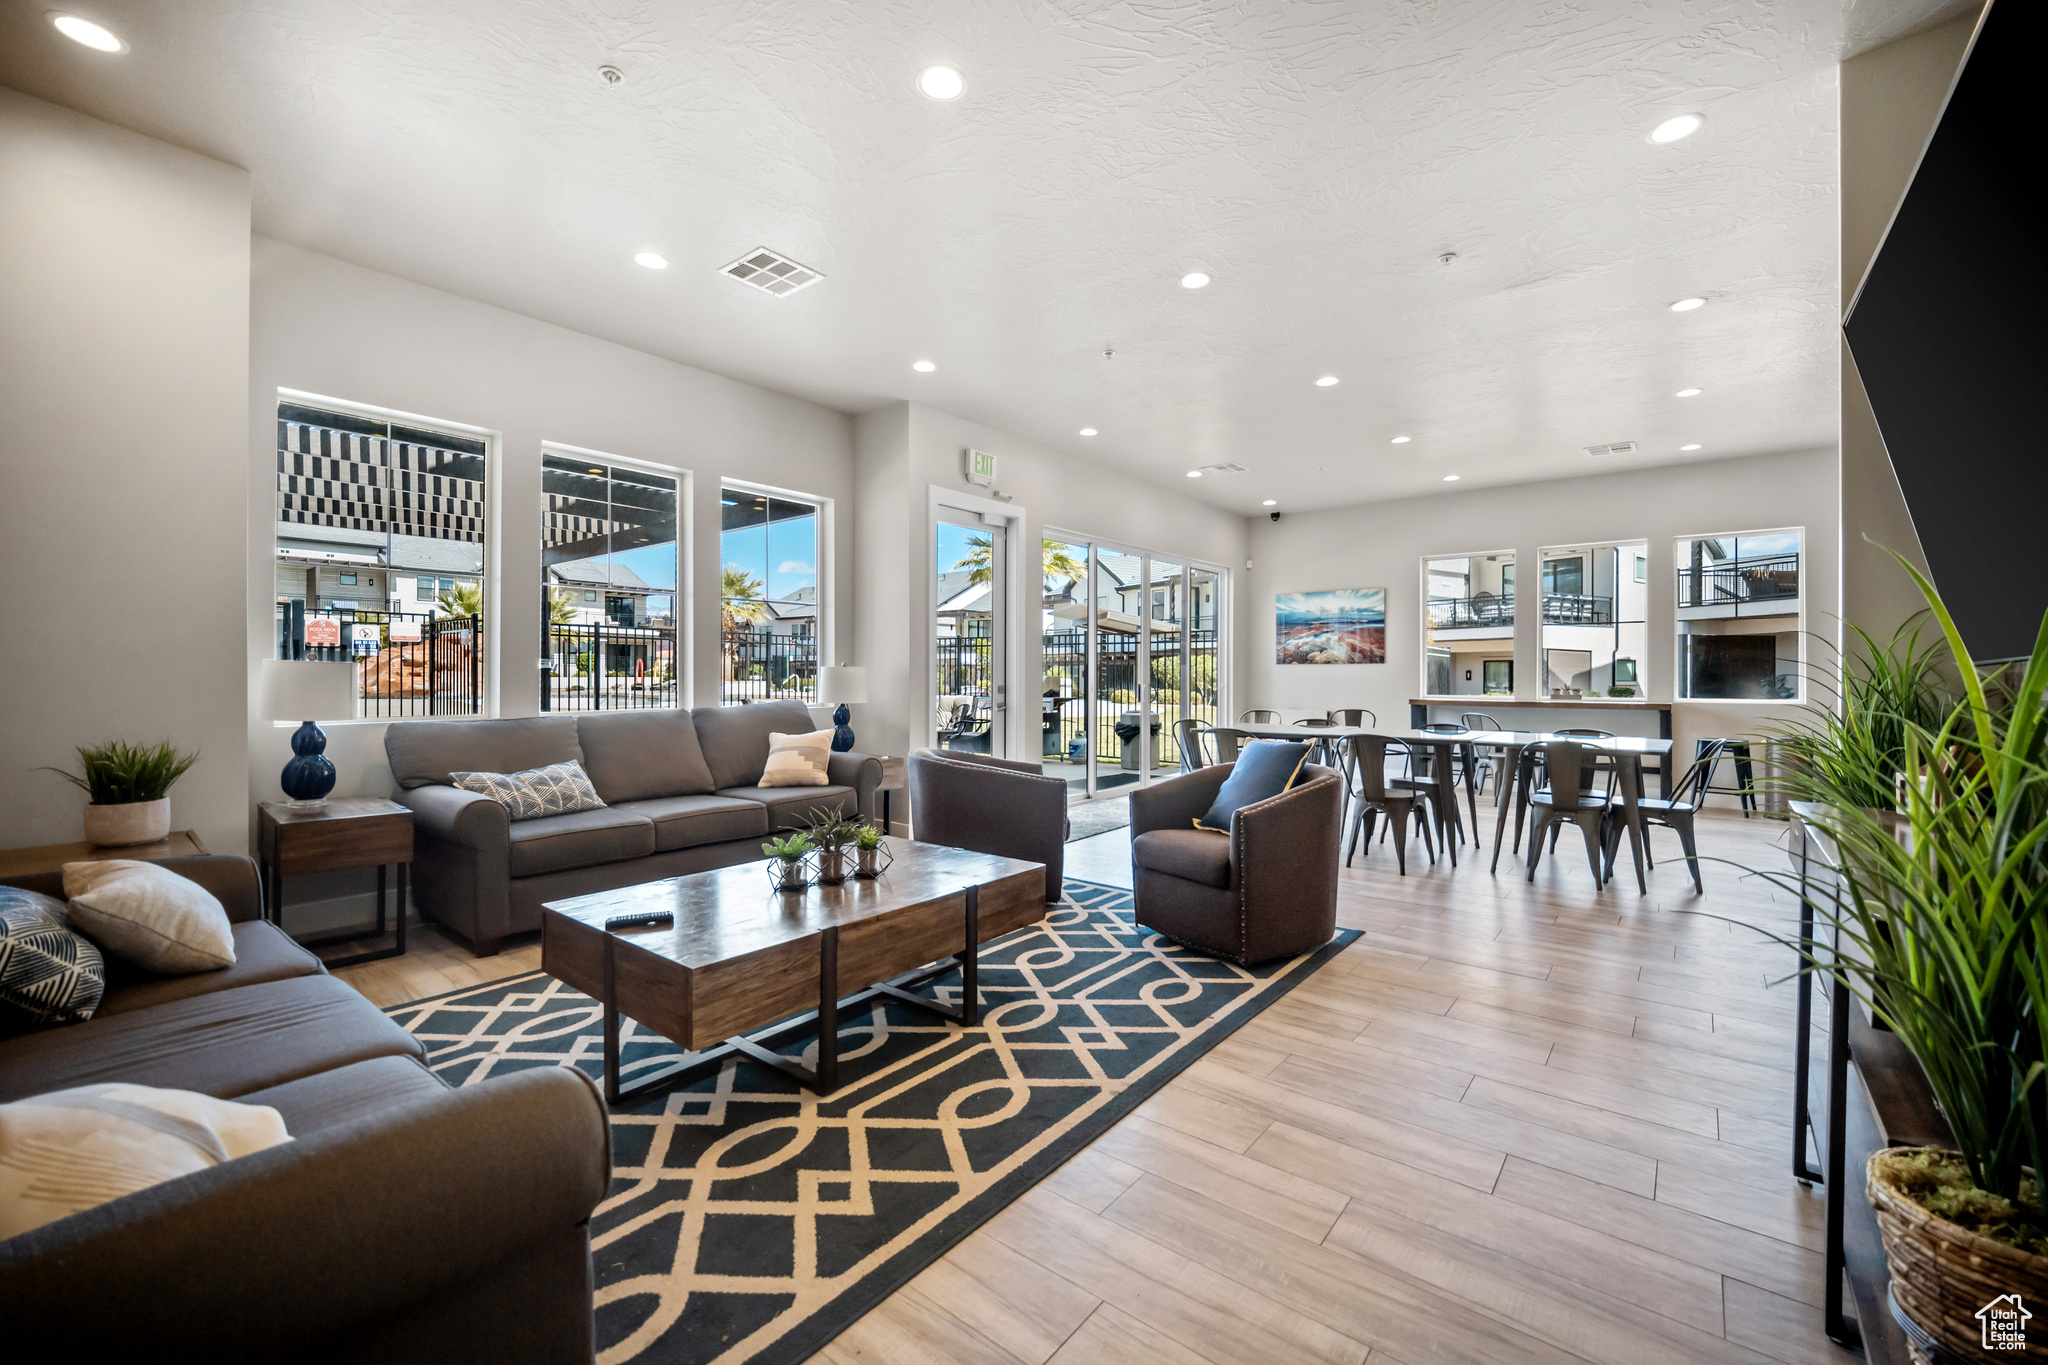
(742, 956)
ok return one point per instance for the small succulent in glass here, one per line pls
(867, 843)
(787, 855)
(831, 832)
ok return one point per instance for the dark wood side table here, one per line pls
(28, 862)
(347, 832)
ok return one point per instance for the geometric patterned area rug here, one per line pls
(750, 1220)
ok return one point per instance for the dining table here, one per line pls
(1517, 761)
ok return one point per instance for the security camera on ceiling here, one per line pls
(1272, 516)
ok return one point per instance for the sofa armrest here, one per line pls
(467, 818)
(862, 772)
(281, 1254)
(1177, 802)
(232, 879)
(1285, 850)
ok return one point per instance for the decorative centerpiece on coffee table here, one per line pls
(873, 853)
(831, 833)
(128, 787)
(789, 861)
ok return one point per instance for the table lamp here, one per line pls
(842, 685)
(296, 689)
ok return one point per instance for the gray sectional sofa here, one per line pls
(680, 791)
(404, 1220)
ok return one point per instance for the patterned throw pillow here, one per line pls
(798, 760)
(48, 971)
(558, 789)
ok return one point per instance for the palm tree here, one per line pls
(466, 598)
(1059, 565)
(740, 593)
(561, 608)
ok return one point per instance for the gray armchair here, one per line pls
(1267, 889)
(990, 805)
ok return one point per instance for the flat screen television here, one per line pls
(1947, 334)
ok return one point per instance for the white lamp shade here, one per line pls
(299, 689)
(846, 683)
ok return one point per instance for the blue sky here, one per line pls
(782, 554)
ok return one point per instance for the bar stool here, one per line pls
(1712, 751)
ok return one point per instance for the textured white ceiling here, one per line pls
(1314, 156)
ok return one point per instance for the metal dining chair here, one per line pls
(1187, 737)
(1676, 813)
(1259, 718)
(1568, 800)
(1365, 760)
(1208, 744)
(1353, 716)
(1487, 758)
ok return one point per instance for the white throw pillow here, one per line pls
(558, 789)
(150, 916)
(798, 760)
(72, 1150)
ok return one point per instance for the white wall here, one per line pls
(1384, 544)
(124, 323)
(911, 455)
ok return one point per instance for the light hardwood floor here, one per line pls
(1511, 1123)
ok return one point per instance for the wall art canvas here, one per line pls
(1339, 626)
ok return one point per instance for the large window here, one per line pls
(1595, 619)
(769, 602)
(1739, 617)
(380, 556)
(608, 564)
(1469, 608)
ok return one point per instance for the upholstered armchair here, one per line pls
(990, 805)
(1267, 889)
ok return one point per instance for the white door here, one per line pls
(969, 561)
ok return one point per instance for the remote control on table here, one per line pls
(651, 919)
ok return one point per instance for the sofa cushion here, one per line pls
(1197, 855)
(735, 738)
(687, 821)
(428, 751)
(555, 842)
(639, 755)
(348, 1092)
(791, 807)
(225, 1044)
(263, 952)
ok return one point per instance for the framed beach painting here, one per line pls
(1338, 626)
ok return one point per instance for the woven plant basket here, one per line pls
(1942, 1274)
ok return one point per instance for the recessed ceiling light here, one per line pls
(87, 33)
(1087, 431)
(652, 260)
(1687, 305)
(1688, 393)
(1326, 381)
(1270, 502)
(1400, 440)
(1450, 478)
(923, 366)
(1676, 128)
(1194, 473)
(1194, 279)
(940, 83)
(1694, 446)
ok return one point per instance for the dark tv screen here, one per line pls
(1947, 332)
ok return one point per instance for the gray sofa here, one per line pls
(680, 792)
(404, 1220)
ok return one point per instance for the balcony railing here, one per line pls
(1572, 609)
(1480, 609)
(1738, 582)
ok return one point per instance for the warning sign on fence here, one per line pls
(363, 640)
(323, 634)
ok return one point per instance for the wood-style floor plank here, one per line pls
(1515, 1123)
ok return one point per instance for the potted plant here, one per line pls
(128, 789)
(867, 843)
(1941, 915)
(786, 860)
(830, 832)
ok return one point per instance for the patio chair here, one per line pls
(1365, 762)
(1568, 799)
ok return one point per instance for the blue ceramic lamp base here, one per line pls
(310, 775)
(842, 730)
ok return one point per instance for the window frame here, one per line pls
(1680, 682)
(824, 630)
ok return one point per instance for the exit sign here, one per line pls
(981, 468)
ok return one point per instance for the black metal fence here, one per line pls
(1480, 609)
(608, 668)
(1063, 717)
(407, 663)
(1739, 581)
(759, 665)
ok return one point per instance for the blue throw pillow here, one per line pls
(48, 970)
(1265, 768)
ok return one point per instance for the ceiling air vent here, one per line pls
(767, 270)
(1227, 467)
(1618, 448)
